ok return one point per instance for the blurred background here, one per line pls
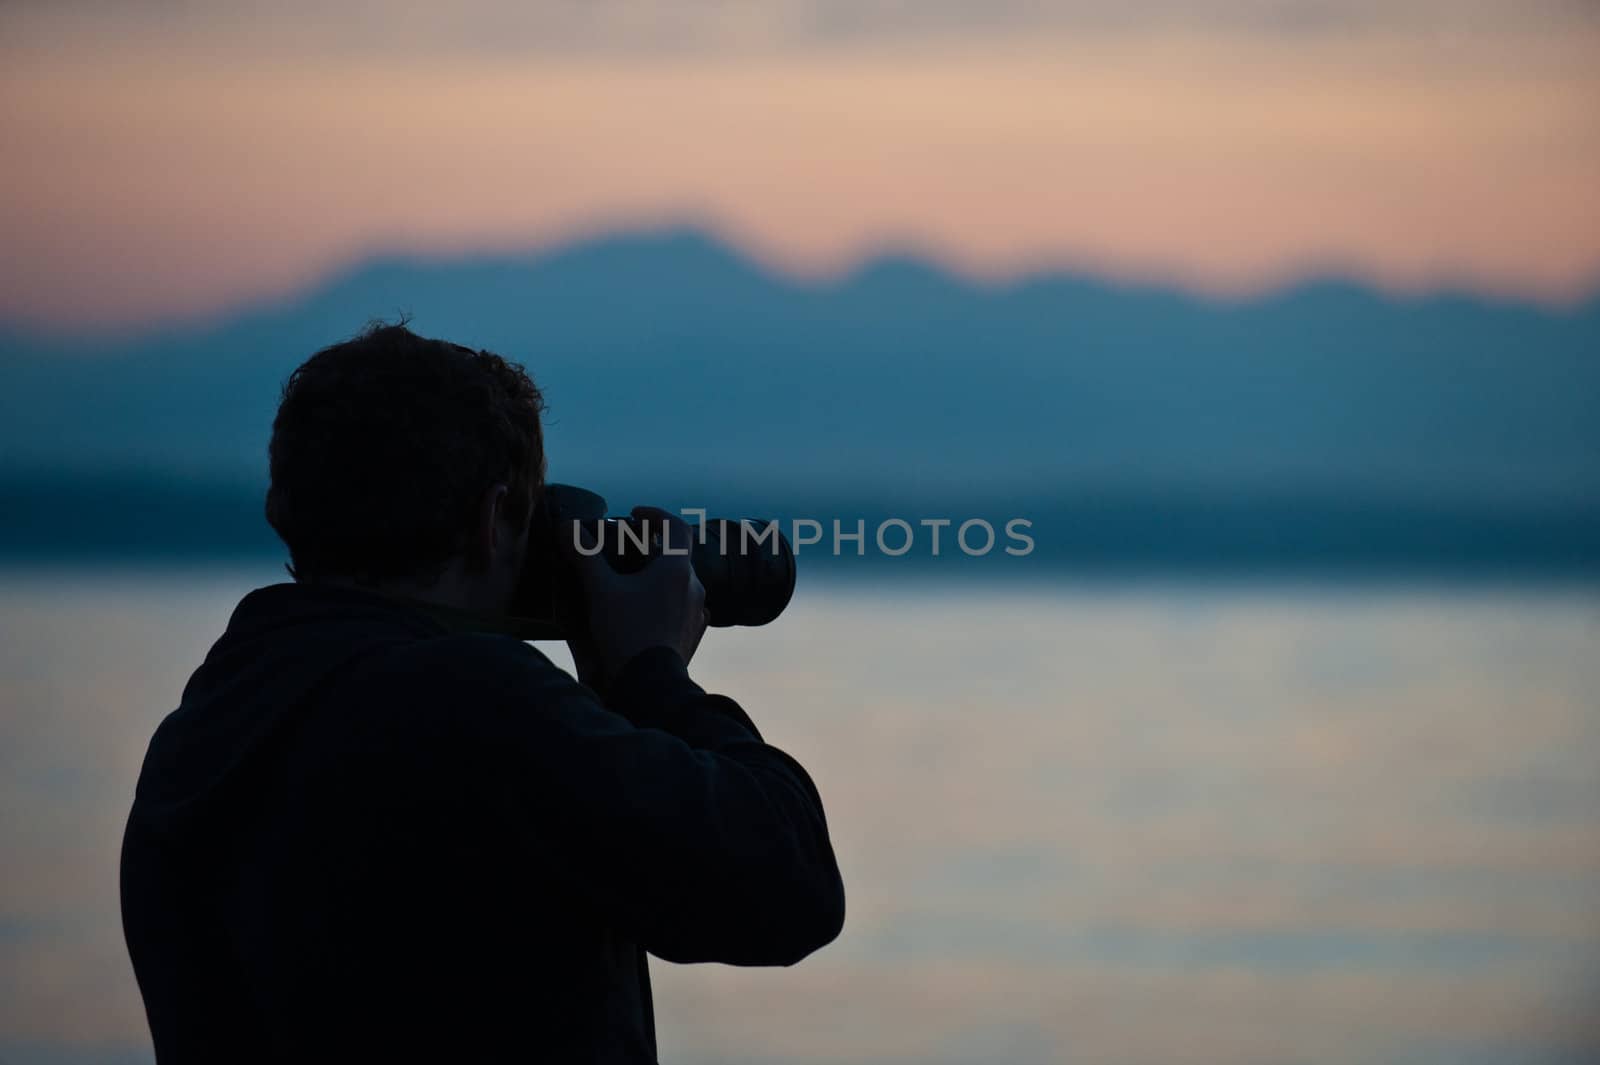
(1278, 319)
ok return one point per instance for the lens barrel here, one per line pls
(746, 566)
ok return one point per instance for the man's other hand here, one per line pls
(661, 605)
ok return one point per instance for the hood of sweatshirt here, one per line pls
(282, 643)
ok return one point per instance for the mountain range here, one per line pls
(1323, 414)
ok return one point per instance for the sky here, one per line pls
(166, 160)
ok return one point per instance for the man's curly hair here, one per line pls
(384, 446)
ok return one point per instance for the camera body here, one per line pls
(746, 565)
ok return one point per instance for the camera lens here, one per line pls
(747, 568)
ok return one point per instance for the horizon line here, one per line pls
(777, 269)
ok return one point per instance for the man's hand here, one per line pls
(662, 605)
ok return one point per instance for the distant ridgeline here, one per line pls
(1326, 428)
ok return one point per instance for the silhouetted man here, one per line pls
(369, 835)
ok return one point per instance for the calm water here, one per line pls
(1170, 824)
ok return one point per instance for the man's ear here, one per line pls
(491, 512)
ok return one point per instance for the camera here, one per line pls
(746, 565)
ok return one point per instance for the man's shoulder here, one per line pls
(483, 692)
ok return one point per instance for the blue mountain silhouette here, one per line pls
(674, 365)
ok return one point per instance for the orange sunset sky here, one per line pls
(165, 159)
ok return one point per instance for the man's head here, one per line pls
(407, 464)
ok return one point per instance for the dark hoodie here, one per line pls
(365, 837)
